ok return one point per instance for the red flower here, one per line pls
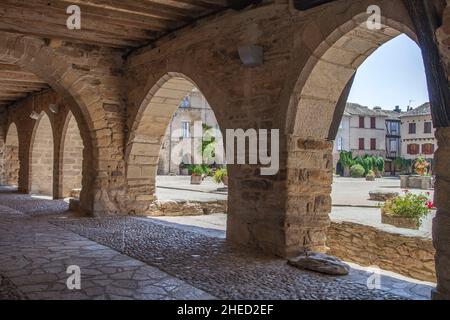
(429, 204)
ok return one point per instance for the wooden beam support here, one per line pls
(304, 5)
(426, 21)
(339, 110)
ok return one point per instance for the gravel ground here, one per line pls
(214, 266)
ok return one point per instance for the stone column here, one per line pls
(3, 118)
(441, 223)
(287, 213)
(309, 179)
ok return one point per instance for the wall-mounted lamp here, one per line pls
(34, 115)
(251, 55)
(54, 108)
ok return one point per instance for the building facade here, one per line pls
(182, 138)
(418, 133)
(362, 131)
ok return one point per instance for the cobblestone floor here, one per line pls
(137, 258)
(34, 256)
(209, 263)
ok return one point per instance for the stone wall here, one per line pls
(72, 158)
(3, 128)
(41, 178)
(369, 246)
(11, 156)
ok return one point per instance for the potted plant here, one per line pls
(221, 176)
(346, 161)
(370, 176)
(421, 166)
(197, 173)
(406, 211)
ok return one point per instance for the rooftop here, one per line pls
(422, 110)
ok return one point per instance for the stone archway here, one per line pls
(147, 134)
(319, 97)
(11, 156)
(71, 159)
(41, 157)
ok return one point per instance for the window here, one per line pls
(340, 144)
(373, 123)
(185, 129)
(393, 145)
(413, 149)
(394, 128)
(361, 143)
(373, 144)
(361, 121)
(428, 148)
(427, 127)
(186, 102)
(412, 128)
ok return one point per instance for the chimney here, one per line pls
(397, 109)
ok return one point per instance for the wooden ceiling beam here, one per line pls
(18, 77)
(93, 14)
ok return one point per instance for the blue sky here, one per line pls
(392, 75)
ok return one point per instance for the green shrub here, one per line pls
(219, 175)
(357, 171)
(370, 174)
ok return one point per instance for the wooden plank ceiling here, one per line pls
(16, 84)
(125, 24)
(114, 23)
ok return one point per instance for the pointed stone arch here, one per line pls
(318, 97)
(146, 137)
(11, 156)
(41, 157)
(71, 159)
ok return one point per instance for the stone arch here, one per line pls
(36, 56)
(320, 87)
(71, 159)
(330, 69)
(41, 157)
(147, 133)
(11, 156)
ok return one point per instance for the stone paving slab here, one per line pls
(215, 225)
(34, 256)
(215, 266)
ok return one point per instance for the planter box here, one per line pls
(399, 222)
(196, 179)
(370, 178)
(416, 182)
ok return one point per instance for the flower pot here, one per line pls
(399, 222)
(370, 178)
(196, 179)
(225, 180)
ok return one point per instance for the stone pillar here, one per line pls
(3, 118)
(286, 213)
(441, 223)
(309, 179)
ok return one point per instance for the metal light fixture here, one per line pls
(34, 115)
(54, 108)
(251, 55)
